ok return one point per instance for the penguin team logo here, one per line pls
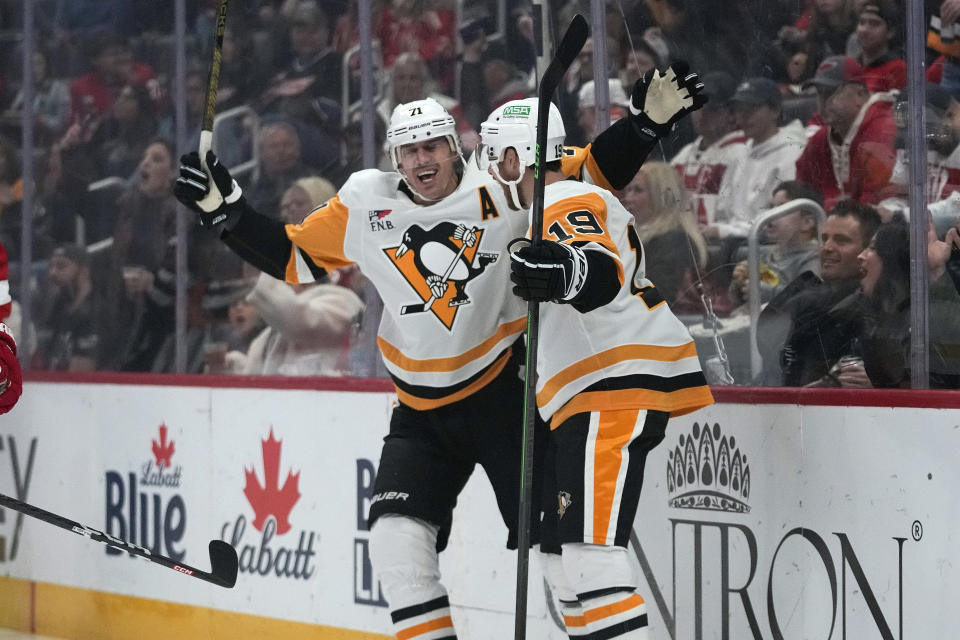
(438, 263)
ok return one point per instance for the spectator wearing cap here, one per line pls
(770, 158)
(587, 109)
(852, 155)
(877, 32)
(943, 152)
(718, 148)
(67, 339)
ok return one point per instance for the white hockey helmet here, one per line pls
(514, 124)
(418, 121)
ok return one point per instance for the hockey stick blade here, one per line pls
(223, 557)
(224, 563)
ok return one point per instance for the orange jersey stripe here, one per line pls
(593, 615)
(611, 357)
(577, 622)
(321, 235)
(424, 404)
(613, 433)
(451, 363)
(425, 627)
(676, 403)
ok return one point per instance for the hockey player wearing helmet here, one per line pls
(624, 366)
(425, 149)
(431, 237)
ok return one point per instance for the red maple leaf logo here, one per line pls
(161, 450)
(268, 500)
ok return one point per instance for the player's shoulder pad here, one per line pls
(573, 160)
(361, 185)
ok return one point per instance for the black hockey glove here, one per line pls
(220, 202)
(546, 272)
(658, 100)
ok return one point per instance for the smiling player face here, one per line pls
(429, 168)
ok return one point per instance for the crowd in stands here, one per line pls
(806, 100)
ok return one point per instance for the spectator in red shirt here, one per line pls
(852, 155)
(92, 95)
(9, 367)
(877, 31)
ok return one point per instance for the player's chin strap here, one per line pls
(511, 185)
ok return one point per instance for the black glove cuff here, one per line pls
(226, 217)
(647, 129)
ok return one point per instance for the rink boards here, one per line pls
(758, 519)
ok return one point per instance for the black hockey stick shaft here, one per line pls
(223, 557)
(567, 50)
(213, 83)
(216, 61)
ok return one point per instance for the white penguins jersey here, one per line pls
(630, 353)
(449, 316)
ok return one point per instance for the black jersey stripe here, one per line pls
(652, 382)
(318, 273)
(599, 593)
(438, 393)
(419, 609)
(620, 629)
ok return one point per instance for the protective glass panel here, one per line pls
(756, 212)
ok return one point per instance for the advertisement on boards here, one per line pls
(756, 522)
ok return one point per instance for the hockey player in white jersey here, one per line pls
(614, 365)
(431, 238)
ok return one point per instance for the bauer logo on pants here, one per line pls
(438, 263)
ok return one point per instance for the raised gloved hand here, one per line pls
(218, 201)
(659, 100)
(548, 271)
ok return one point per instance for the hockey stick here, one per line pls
(567, 50)
(213, 82)
(223, 557)
(424, 306)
